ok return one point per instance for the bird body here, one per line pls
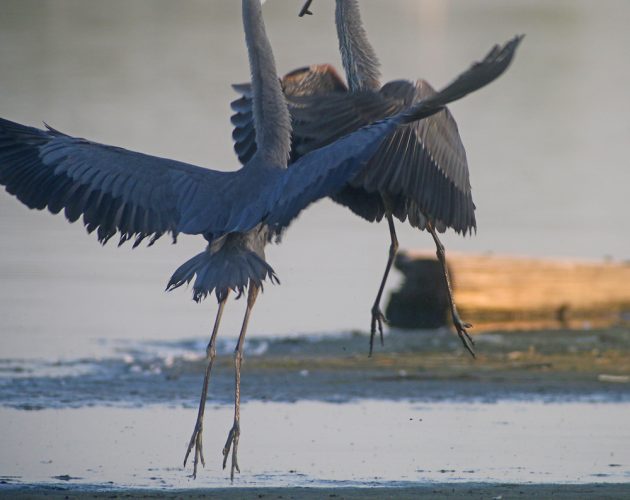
(414, 166)
(421, 169)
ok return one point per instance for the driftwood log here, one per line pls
(502, 292)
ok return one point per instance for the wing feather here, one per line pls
(431, 148)
(318, 78)
(322, 117)
(115, 190)
(416, 179)
(421, 166)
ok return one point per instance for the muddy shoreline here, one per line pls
(454, 491)
(526, 401)
(587, 365)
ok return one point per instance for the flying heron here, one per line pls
(420, 172)
(138, 196)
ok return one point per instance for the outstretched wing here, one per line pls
(421, 167)
(323, 172)
(320, 172)
(309, 80)
(114, 189)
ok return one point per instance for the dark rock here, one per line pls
(422, 300)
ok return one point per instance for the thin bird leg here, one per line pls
(196, 439)
(235, 431)
(460, 326)
(377, 316)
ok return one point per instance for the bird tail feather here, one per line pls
(222, 271)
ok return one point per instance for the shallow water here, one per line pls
(323, 444)
(425, 366)
(318, 413)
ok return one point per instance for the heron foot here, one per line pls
(463, 334)
(232, 443)
(378, 318)
(196, 441)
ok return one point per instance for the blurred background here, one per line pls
(546, 146)
(84, 326)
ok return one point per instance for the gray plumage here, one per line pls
(140, 196)
(269, 104)
(358, 56)
(239, 256)
(419, 173)
(420, 168)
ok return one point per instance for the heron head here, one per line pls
(305, 10)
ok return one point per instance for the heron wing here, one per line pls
(420, 166)
(115, 190)
(244, 132)
(309, 80)
(322, 172)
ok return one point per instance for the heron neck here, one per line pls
(271, 115)
(359, 59)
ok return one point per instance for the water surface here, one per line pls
(323, 444)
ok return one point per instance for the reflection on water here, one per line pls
(368, 442)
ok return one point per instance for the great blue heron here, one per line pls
(419, 174)
(238, 213)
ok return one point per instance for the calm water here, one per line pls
(547, 148)
(371, 442)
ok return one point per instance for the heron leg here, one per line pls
(196, 438)
(235, 431)
(377, 316)
(460, 326)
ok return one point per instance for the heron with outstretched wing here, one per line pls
(419, 173)
(137, 196)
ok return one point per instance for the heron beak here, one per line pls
(305, 10)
